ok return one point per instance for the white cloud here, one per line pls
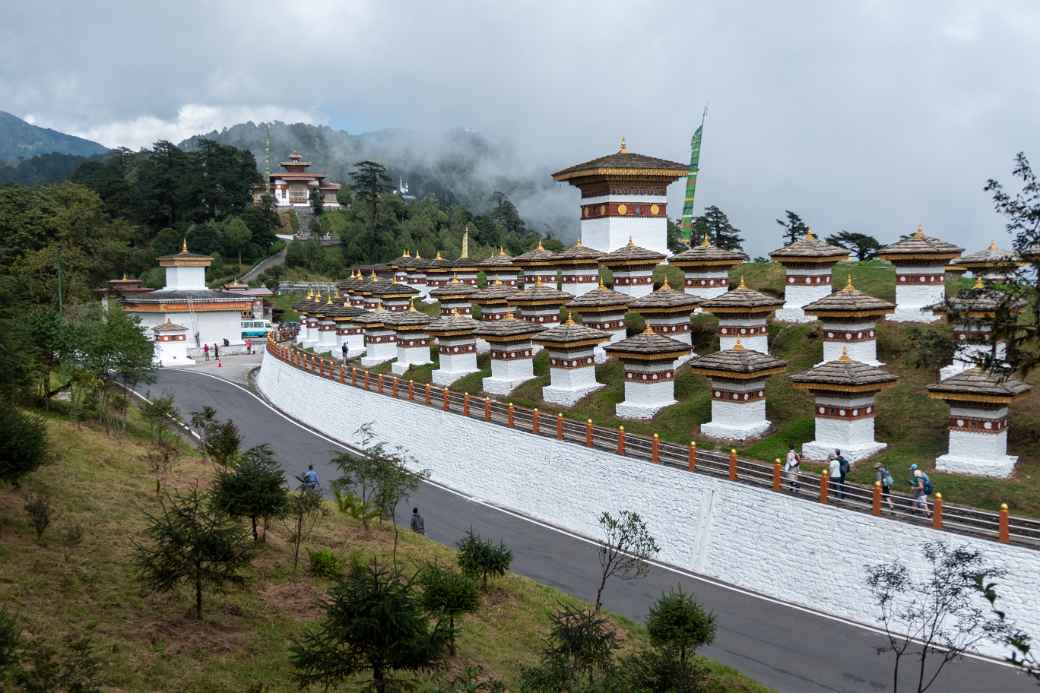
(191, 119)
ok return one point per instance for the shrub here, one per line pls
(325, 564)
(8, 643)
(25, 444)
(39, 509)
(480, 558)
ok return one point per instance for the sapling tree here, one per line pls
(578, 653)
(163, 449)
(201, 421)
(222, 442)
(626, 548)
(254, 488)
(448, 594)
(304, 510)
(481, 558)
(192, 542)
(935, 618)
(9, 640)
(25, 444)
(38, 508)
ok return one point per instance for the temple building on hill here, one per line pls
(208, 316)
(623, 196)
(292, 187)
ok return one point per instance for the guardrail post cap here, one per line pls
(535, 409)
(620, 428)
(693, 443)
(588, 421)
(733, 451)
(1003, 506)
(877, 484)
(938, 496)
(656, 436)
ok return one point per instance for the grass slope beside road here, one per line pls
(150, 642)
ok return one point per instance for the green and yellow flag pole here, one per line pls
(686, 228)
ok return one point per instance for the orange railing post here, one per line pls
(379, 383)
(509, 415)
(937, 512)
(446, 403)
(487, 408)
(393, 387)
(465, 404)
(691, 456)
(353, 376)
(366, 379)
(428, 395)
(588, 432)
(733, 464)
(824, 486)
(776, 474)
(621, 440)
(655, 449)
(875, 506)
(534, 420)
(342, 374)
(559, 426)
(1004, 534)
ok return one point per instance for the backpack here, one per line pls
(927, 484)
(843, 465)
(887, 480)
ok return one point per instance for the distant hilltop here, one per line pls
(22, 140)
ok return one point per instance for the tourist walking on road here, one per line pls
(418, 526)
(345, 351)
(922, 486)
(310, 479)
(205, 351)
(843, 469)
(834, 469)
(882, 474)
(216, 351)
(791, 465)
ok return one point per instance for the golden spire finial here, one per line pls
(739, 346)
(438, 256)
(844, 358)
(184, 244)
(329, 301)
(310, 294)
(742, 284)
(809, 234)
(631, 243)
(649, 328)
(508, 315)
(124, 276)
(919, 233)
(577, 243)
(501, 251)
(411, 306)
(372, 276)
(602, 286)
(622, 149)
(570, 319)
(498, 282)
(317, 296)
(455, 279)
(979, 284)
(992, 246)
(848, 283)
(417, 255)
(406, 253)
(540, 246)
(665, 284)
(705, 242)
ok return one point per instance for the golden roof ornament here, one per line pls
(124, 276)
(705, 242)
(501, 251)
(329, 301)
(631, 243)
(577, 243)
(992, 246)
(570, 319)
(455, 279)
(743, 284)
(809, 234)
(540, 246)
(602, 286)
(184, 245)
(919, 233)
(739, 346)
(622, 149)
(417, 255)
(848, 284)
(498, 282)
(372, 276)
(844, 358)
(310, 294)
(508, 316)
(649, 328)
(979, 284)
(438, 256)
(411, 306)
(665, 284)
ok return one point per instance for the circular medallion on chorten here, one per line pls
(622, 210)
(655, 210)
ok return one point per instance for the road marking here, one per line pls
(560, 530)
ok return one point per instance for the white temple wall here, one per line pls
(783, 547)
(607, 234)
(186, 278)
(798, 295)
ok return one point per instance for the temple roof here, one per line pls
(393, 289)
(623, 162)
(809, 248)
(191, 259)
(649, 343)
(180, 295)
(664, 298)
(405, 260)
(499, 260)
(571, 332)
(408, 318)
(630, 253)
(918, 245)
(508, 326)
(540, 293)
(737, 363)
(977, 385)
(844, 375)
(741, 298)
(707, 254)
(169, 327)
(337, 310)
(493, 293)
(849, 301)
(978, 299)
(579, 252)
(375, 318)
(600, 297)
(438, 264)
(991, 256)
(538, 254)
(454, 288)
(453, 323)
(351, 282)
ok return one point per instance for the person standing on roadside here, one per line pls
(205, 351)
(418, 525)
(216, 351)
(791, 465)
(882, 474)
(834, 469)
(310, 479)
(843, 468)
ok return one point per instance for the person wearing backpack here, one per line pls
(843, 468)
(922, 489)
(882, 474)
(791, 465)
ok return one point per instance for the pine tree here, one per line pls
(794, 227)
(715, 224)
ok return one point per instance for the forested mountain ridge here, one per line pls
(22, 140)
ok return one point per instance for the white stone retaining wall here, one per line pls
(789, 549)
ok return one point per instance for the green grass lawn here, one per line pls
(150, 642)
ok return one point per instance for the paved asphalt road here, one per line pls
(785, 648)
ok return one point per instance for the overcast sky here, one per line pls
(872, 116)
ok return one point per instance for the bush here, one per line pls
(480, 558)
(448, 594)
(74, 668)
(25, 444)
(8, 643)
(39, 509)
(325, 564)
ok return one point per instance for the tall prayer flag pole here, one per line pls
(686, 228)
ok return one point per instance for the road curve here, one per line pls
(786, 648)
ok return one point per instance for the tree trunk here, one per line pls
(256, 537)
(198, 594)
(451, 640)
(157, 489)
(378, 678)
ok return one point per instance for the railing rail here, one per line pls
(810, 486)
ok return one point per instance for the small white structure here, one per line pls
(457, 350)
(668, 311)
(454, 296)
(171, 345)
(572, 365)
(512, 354)
(920, 262)
(493, 300)
(849, 323)
(394, 297)
(400, 266)
(649, 361)
(438, 272)
(706, 268)
(844, 391)
(538, 264)
(499, 267)
(540, 303)
(738, 391)
(348, 331)
(415, 271)
(633, 268)
(603, 309)
(743, 315)
(623, 196)
(302, 307)
(579, 269)
(413, 339)
(807, 274)
(380, 337)
(978, 422)
(972, 313)
(993, 264)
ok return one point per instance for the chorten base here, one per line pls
(599, 355)
(502, 386)
(400, 368)
(737, 432)
(952, 370)
(483, 346)
(444, 377)
(353, 353)
(816, 450)
(372, 361)
(792, 313)
(1001, 467)
(566, 396)
(908, 314)
(627, 410)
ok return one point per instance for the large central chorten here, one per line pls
(623, 197)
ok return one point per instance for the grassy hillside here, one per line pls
(147, 642)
